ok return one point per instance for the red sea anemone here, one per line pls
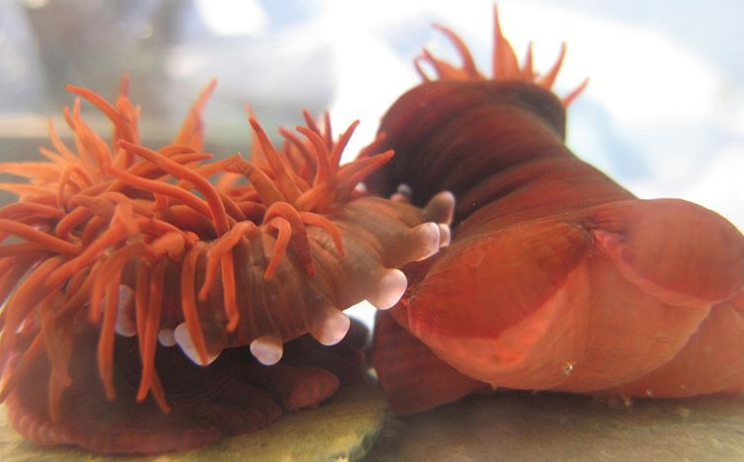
(557, 278)
(114, 253)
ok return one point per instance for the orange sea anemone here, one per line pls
(557, 278)
(115, 252)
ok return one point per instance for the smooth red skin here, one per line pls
(234, 395)
(557, 277)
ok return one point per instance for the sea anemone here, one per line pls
(557, 277)
(113, 247)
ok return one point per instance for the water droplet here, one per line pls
(567, 368)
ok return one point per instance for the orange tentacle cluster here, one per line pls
(136, 241)
(504, 62)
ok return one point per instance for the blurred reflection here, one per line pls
(170, 49)
(89, 43)
(21, 81)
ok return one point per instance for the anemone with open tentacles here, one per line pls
(134, 246)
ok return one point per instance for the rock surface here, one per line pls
(555, 427)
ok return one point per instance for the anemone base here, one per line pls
(344, 428)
